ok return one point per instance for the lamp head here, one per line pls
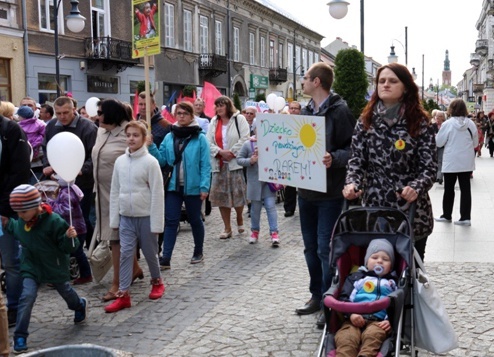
(392, 58)
(75, 21)
(338, 8)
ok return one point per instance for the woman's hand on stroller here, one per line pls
(357, 320)
(351, 192)
(407, 193)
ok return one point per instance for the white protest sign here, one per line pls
(291, 149)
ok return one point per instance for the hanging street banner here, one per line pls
(145, 28)
(291, 149)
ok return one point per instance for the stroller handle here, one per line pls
(356, 308)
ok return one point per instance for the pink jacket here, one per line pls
(35, 132)
(143, 18)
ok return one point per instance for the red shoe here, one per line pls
(122, 302)
(157, 289)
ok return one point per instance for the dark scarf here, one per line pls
(391, 115)
(185, 131)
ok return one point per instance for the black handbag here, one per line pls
(167, 170)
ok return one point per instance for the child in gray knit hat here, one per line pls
(363, 335)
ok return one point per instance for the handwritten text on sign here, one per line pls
(291, 149)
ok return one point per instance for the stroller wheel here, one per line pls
(73, 268)
(3, 282)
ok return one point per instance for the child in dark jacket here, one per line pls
(61, 206)
(46, 240)
(363, 335)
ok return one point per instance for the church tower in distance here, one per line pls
(446, 71)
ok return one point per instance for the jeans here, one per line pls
(80, 256)
(465, 194)
(317, 219)
(28, 298)
(255, 214)
(173, 211)
(10, 253)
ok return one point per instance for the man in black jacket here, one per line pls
(15, 165)
(319, 211)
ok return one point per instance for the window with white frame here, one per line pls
(316, 57)
(297, 59)
(169, 25)
(203, 34)
(304, 59)
(271, 54)
(100, 18)
(252, 48)
(187, 31)
(47, 18)
(236, 44)
(218, 26)
(290, 57)
(311, 58)
(263, 52)
(280, 55)
(47, 87)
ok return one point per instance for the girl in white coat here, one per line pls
(137, 212)
(459, 136)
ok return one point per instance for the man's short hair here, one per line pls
(324, 72)
(142, 95)
(60, 101)
(48, 108)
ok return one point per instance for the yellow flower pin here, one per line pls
(400, 144)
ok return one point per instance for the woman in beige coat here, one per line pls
(110, 144)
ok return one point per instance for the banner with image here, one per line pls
(291, 149)
(145, 28)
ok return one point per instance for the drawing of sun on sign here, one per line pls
(291, 149)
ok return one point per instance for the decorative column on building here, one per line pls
(446, 71)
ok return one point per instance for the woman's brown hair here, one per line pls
(230, 108)
(415, 114)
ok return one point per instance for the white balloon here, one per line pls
(271, 100)
(66, 155)
(279, 104)
(92, 106)
(262, 102)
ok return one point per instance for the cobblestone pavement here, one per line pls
(240, 301)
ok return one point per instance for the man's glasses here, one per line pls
(249, 113)
(182, 114)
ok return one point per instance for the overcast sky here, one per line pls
(434, 26)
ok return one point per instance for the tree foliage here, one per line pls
(236, 101)
(350, 79)
(430, 105)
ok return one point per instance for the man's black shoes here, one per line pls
(310, 307)
(289, 213)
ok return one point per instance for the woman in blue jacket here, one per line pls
(189, 181)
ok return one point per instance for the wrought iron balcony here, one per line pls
(110, 52)
(278, 75)
(212, 65)
(475, 59)
(482, 47)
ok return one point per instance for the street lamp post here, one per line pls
(75, 23)
(339, 8)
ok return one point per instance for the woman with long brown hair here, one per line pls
(394, 160)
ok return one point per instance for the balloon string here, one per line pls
(70, 212)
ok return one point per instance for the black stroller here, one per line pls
(352, 234)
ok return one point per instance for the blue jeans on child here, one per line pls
(10, 251)
(173, 210)
(255, 214)
(28, 298)
(317, 219)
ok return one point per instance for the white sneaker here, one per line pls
(465, 222)
(254, 237)
(442, 219)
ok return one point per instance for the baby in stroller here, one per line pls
(363, 334)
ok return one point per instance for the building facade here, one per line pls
(246, 47)
(93, 63)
